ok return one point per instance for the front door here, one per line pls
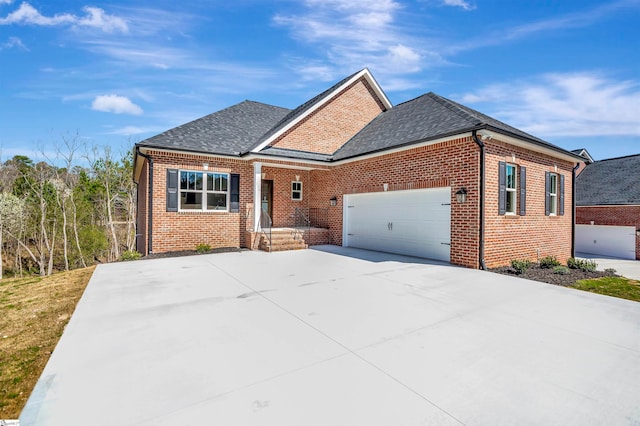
(267, 197)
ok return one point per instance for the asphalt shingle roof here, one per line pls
(426, 117)
(242, 127)
(231, 131)
(610, 182)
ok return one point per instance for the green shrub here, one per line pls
(203, 248)
(520, 266)
(130, 255)
(561, 270)
(549, 262)
(610, 271)
(573, 263)
(588, 265)
(582, 264)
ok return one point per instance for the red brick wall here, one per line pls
(452, 163)
(534, 235)
(174, 231)
(329, 127)
(611, 215)
(283, 206)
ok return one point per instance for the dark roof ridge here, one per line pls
(617, 158)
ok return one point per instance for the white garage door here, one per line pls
(614, 241)
(414, 223)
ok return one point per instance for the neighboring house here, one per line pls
(428, 177)
(608, 208)
(587, 159)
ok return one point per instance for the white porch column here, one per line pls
(257, 195)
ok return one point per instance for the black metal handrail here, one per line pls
(266, 225)
(310, 218)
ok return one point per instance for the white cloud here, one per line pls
(352, 35)
(6, 1)
(116, 104)
(132, 130)
(560, 23)
(13, 42)
(97, 18)
(572, 104)
(459, 3)
(94, 18)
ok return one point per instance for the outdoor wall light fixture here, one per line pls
(461, 195)
(333, 201)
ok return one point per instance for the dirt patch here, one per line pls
(33, 314)
(546, 275)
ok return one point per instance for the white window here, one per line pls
(204, 191)
(553, 194)
(511, 189)
(296, 191)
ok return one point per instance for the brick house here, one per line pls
(608, 208)
(428, 177)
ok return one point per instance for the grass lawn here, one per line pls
(33, 314)
(615, 286)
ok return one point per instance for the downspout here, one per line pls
(573, 210)
(481, 192)
(150, 201)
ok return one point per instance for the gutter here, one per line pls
(481, 192)
(150, 201)
(573, 210)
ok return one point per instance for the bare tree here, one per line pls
(11, 211)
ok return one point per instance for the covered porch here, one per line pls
(282, 216)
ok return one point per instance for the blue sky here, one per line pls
(117, 72)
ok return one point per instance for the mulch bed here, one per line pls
(191, 253)
(545, 275)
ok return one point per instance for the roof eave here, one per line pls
(532, 144)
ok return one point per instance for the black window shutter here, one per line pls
(523, 191)
(172, 190)
(502, 189)
(547, 197)
(235, 193)
(561, 197)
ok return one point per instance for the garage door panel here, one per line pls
(416, 223)
(614, 241)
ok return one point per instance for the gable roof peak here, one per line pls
(315, 103)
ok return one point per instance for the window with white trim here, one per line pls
(553, 194)
(204, 191)
(296, 191)
(511, 189)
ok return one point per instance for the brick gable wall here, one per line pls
(611, 215)
(328, 128)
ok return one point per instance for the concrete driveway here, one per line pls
(335, 336)
(624, 267)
